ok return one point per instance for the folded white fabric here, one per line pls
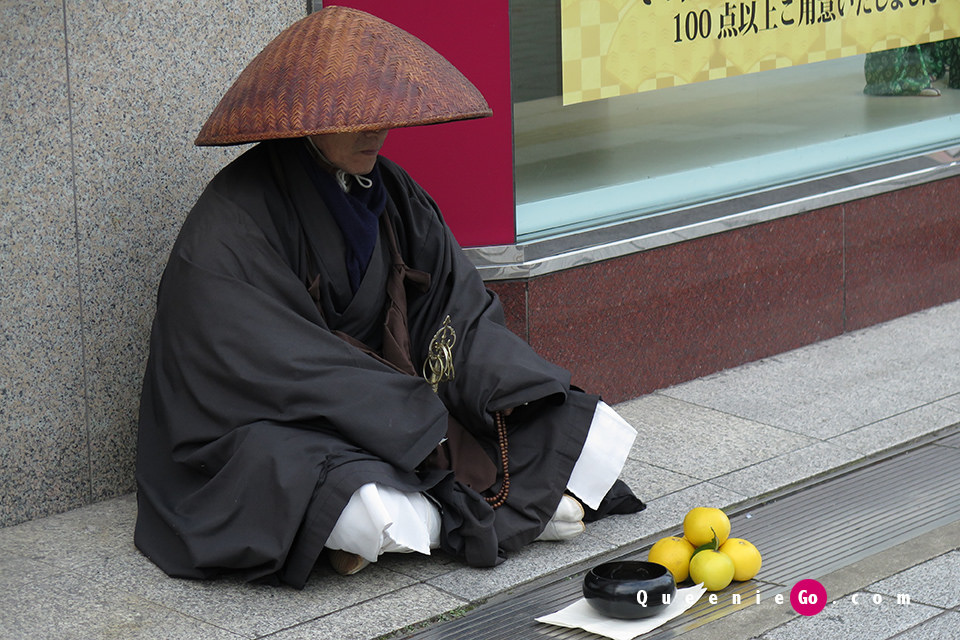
(604, 453)
(580, 615)
(380, 519)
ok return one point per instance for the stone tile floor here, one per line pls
(919, 602)
(720, 441)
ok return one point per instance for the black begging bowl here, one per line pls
(612, 588)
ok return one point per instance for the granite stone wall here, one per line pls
(99, 106)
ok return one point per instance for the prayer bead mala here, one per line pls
(501, 497)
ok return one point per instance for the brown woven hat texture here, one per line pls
(340, 70)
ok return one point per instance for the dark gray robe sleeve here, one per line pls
(242, 341)
(495, 368)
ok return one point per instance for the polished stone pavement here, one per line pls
(725, 440)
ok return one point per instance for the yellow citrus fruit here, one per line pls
(746, 558)
(701, 523)
(712, 568)
(674, 553)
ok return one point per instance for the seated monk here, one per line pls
(327, 369)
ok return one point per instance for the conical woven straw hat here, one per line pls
(340, 70)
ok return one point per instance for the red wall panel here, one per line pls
(466, 166)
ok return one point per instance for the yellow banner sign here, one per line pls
(618, 47)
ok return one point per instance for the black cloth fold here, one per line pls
(619, 500)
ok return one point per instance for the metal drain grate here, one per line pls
(805, 534)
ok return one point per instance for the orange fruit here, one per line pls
(712, 568)
(702, 524)
(746, 558)
(674, 553)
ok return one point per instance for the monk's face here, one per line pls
(354, 152)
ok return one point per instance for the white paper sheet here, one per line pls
(581, 615)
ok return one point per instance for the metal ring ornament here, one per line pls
(438, 366)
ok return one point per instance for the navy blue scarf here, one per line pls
(357, 213)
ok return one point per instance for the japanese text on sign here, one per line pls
(616, 47)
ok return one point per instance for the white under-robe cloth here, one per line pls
(379, 519)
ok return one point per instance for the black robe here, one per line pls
(257, 423)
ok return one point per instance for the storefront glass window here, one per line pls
(648, 153)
